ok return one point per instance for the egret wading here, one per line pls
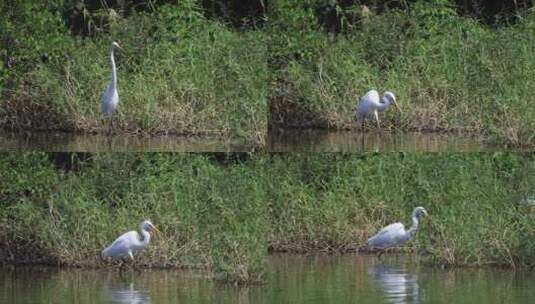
(370, 105)
(396, 234)
(110, 96)
(130, 242)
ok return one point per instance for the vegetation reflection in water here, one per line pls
(291, 279)
(286, 141)
(374, 141)
(67, 142)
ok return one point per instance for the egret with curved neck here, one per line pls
(370, 105)
(396, 234)
(110, 96)
(130, 242)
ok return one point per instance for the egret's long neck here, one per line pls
(384, 104)
(113, 71)
(146, 237)
(414, 226)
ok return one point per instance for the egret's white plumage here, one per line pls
(130, 242)
(370, 105)
(396, 234)
(110, 97)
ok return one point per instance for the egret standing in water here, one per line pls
(130, 242)
(370, 105)
(396, 234)
(110, 97)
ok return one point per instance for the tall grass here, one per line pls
(184, 73)
(449, 72)
(180, 73)
(225, 216)
(209, 216)
(333, 202)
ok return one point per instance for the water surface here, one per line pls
(289, 279)
(286, 141)
(373, 141)
(70, 142)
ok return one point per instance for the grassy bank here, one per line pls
(179, 73)
(227, 213)
(185, 73)
(449, 72)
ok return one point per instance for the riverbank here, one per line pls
(187, 69)
(225, 212)
(179, 73)
(449, 72)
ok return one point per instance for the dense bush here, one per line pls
(180, 73)
(227, 215)
(450, 72)
(212, 67)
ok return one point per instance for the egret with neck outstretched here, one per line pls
(396, 234)
(370, 105)
(110, 96)
(130, 242)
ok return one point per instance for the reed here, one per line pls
(226, 214)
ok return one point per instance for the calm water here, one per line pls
(290, 279)
(69, 142)
(350, 141)
(287, 141)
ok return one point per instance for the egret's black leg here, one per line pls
(362, 142)
(109, 137)
(135, 267)
(110, 124)
(121, 266)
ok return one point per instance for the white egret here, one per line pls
(110, 96)
(370, 105)
(396, 234)
(130, 242)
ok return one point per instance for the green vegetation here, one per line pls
(211, 67)
(180, 73)
(450, 72)
(226, 212)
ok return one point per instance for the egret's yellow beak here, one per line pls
(158, 232)
(396, 105)
(119, 47)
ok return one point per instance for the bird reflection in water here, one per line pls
(126, 293)
(398, 285)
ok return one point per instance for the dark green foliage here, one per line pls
(225, 216)
(210, 67)
(449, 72)
(179, 73)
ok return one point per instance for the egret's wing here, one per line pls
(106, 94)
(371, 96)
(121, 245)
(391, 228)
(366, 103)
(387, 236)
(109, 99)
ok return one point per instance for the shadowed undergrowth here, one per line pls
(227, 215)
